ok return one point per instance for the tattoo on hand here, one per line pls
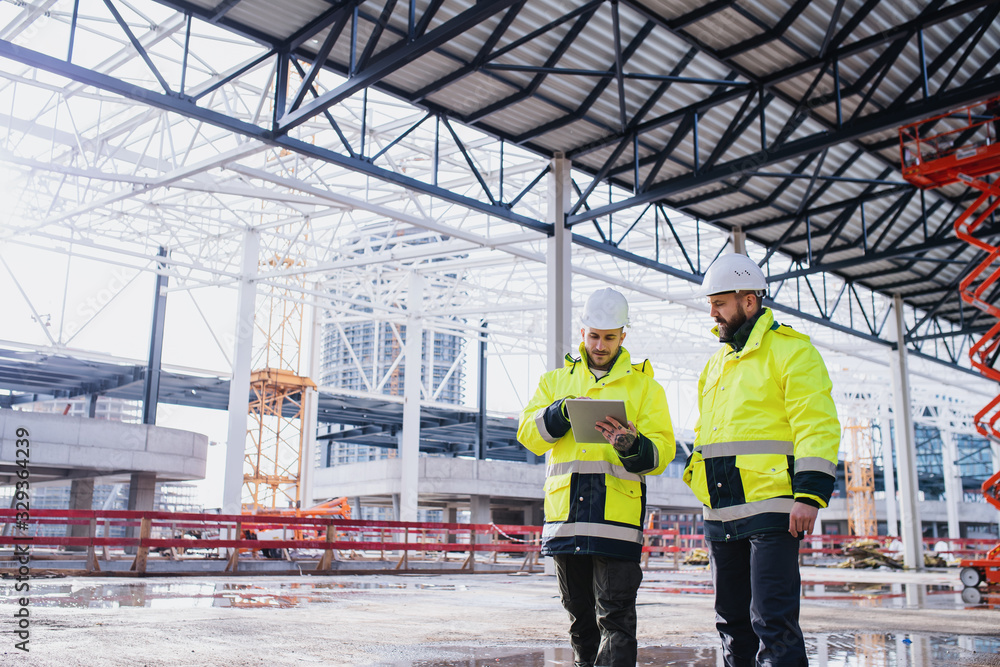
(624, 442)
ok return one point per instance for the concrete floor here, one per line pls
(851, 617)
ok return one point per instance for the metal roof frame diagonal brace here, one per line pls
(317, 64)
(137, 45)
(187, 108)
(391, 60)
(831, 55)
(151, 383)
(871, 124)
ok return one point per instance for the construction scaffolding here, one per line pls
(275, 435)
(275, 444)
(859, 477)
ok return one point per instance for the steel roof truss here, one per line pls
(599, 88)
(329, 117)
(321, 55)
(779, 29)
(536, 81)
(380, 24)
(391, 59)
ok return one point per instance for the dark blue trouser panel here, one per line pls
(599, 594)
(757, 587)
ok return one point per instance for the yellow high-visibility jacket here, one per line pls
(767, 433)
(595, 500)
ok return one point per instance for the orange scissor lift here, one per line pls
(967, 151)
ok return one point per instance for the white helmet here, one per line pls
(734, 272)
(605, 309)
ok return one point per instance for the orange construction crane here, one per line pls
(966, 151)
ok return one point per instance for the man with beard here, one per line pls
(764, 462)
(595, 493)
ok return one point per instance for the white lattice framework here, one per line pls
(96, 183)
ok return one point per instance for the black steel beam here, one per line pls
(394, 58)
(870, 124)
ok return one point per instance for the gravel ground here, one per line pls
(396, 619)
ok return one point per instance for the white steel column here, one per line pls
(953, 494)
(239, 384)
(905, 447)
(409, 442)
(310, 405)
(560, 326)
(739, 240)
(889, 475)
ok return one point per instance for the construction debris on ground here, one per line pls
(866, 554)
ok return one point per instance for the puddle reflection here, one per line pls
(188, 594)
(852, 594)
(886, 595)
(825, 650)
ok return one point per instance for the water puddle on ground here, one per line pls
(826, 650)
(894, 596)
(188, 593)
(852, 594)
(192, 594)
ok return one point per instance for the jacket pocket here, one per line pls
(764, 475)
(623, 502)
(557, 497)
(694, 477)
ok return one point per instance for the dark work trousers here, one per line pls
(599, 594)
(757, 600)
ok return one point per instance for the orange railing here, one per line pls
(160, 534)
(966, 151)
(237, 540)
(968, 145)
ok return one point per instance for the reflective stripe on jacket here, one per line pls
(767, 433)
(595, 500)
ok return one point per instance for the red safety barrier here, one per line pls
(249, 534)
(160, 533)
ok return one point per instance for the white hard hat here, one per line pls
(605, 309)
(733, 273)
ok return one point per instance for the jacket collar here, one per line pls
(623, 363)
(765, 321)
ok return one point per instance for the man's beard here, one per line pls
(609, 360)
(728, 330)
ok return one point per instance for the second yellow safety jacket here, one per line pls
(767, 433)
(595, 499)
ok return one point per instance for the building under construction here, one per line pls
(358, 232)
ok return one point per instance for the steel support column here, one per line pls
(905, 447)
(151, 383)
(559, 260)
(739, 240)
(953, 494)
(481, 440)
(888, 475)
(310, 412)
(239, 385)
(409, 444)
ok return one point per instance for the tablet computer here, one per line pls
(584, 413)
